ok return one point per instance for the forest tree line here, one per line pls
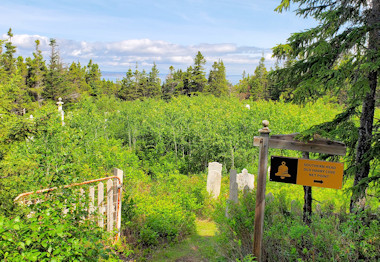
(27, 82)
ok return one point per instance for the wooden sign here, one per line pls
(306, 172)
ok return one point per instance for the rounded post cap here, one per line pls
(265, 128)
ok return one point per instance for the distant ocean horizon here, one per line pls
(115, 76)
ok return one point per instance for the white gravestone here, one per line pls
(214, 178)
(245, 179)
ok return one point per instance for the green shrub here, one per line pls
(49, 235)
(163, 219)
(235, 237)
(330, 237)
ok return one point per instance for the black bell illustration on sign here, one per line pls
(283, 170)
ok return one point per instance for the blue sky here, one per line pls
(118, 33)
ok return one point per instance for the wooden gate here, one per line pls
(107, 203)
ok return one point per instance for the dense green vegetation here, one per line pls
(163, 135)
(163, 148)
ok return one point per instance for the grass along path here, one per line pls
(196, 248)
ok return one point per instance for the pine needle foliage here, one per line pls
(340, 55)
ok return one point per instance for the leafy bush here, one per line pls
(235, 227)
(48, 235)
(330, 236)
(159, 220)
(54, 155)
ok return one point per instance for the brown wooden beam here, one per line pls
(318, 145)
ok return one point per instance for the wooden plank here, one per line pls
(101, 204)
(119, 174)
(109, 205)
(81, 197)
(114, 209)
(312, 146)
(257, 140)
(316, 139)
(82, 200)
(288, 137)
(318, 145)
(91, 196)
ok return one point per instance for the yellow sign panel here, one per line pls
(306, 172)
(320, 173)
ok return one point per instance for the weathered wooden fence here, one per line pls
(107, 204)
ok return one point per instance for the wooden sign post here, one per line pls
(260, 192)
(312, 172)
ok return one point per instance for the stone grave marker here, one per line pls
(234, 191)
(244, 179)
(269, 198)
(294, 208)
(233, 187)
(214, 178)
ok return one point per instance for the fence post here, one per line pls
(91, 197)
(260, 192)
(114, 204)
(110, 206)
(119, 173)
(101, 204)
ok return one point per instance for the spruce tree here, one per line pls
(187, 86)
(77, 77)
(9, 62)
(36, 74)
(128, 87)
(243, 88)
(154, 82)
(170, 84)
(93, 78)
(217, 83)
(259, 82)
(110, 88)
(142, 84)
(2, 69)
(55, 82)
(198, 79)
(350, 31)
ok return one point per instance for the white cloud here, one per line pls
(122, 55)
(181, 59)
(28, 41)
